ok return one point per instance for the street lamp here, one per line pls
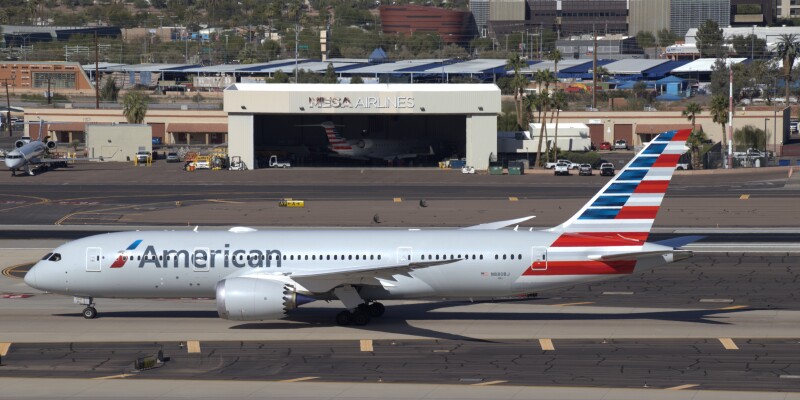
(766, 153)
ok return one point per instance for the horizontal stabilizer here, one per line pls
(680, 241)
(500, 224)
(678, 255)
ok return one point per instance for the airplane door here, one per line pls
(93, 257)
(404, 255)
(538, 258)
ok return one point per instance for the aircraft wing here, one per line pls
(58, 160)
(500, 224)
(678, 254)
(327, 279)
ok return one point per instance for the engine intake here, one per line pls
(51, 145)
(253, 299)
(19, 143)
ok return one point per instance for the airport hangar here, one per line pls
(452, 119)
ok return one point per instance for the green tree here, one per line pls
(690, 112)
(558, 102)
(330, 74)
(749, 137)
(666, 38)
(750, 45)
(719, 114)
(645, 40)
(710, 40)
(639, 89)
(109, 91)
(134, 106)
(546, 78)
(787, 50)
(280, 77)
(356, 79)
(696, 141)
(518, 84)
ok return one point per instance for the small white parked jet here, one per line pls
(30, 154)
(258, 275)
(366, 148)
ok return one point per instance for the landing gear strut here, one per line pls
(89, 312)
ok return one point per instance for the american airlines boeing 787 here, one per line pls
(258, 275)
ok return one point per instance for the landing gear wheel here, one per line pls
(344, 318)
(89, 313)
(376, 310)
(360, 318)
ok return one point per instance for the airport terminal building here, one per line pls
(439, 120)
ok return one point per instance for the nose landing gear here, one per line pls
(89, 312)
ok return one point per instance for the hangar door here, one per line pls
(624, 132)
(596, 133)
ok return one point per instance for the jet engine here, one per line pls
(19, 143)
(253, 299)
(364, 144)
(51, 145)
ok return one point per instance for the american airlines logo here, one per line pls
(201, 258)
(361, 102)
(121, 259)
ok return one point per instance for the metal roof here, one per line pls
(550, 66)
(318, 66)
(152, 67)
(631, 66)
(704, 65)
(477, 66)
(234, 68)
(390, 67)
(325, 87)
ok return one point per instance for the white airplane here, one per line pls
(30, 154)
(366, 148)
(260, 275)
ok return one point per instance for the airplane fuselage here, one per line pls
(189, 264)
(30, 153)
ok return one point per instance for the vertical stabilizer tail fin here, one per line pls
(335, 140)
(625, 208)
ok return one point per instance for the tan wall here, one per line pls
(609, 120)
(115, 116)
(20, 75)
(117, 142)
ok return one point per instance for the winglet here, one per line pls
(500, 224)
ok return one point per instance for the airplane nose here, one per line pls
(30, 278)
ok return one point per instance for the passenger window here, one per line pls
(335, 257)
(519, 256)
(350, 257)
(328, 257)
(504, 256)
(481, 256)
(356, 256)
(372, 257)
(496, 257)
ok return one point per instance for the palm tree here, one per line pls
(543, 77)
(691, 111)
(719, 114)
(134, 106)
(555, 56)
(559, 102)
(787, 50)
(518, 84)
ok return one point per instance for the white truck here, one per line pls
(274, 163)
(561, 168)
(570, 164)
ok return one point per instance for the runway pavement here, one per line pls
(670, 327)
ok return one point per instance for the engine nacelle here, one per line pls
(253, 299)
(19, 143)
(51, 145)
(364, 144)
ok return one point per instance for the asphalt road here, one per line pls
(770, 365)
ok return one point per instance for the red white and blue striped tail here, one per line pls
(625, 208)
(335, 140)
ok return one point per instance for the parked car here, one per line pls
(562, 168)
(142, 156)
(621, 144)
(605, 146)
(173, 157)
(607, 169)
(585, 169)
(682, 166)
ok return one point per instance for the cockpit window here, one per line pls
(55, 257)
(46, 256)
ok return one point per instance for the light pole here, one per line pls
(766, 152)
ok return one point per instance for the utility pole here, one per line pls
(96, 73)
(296, 47)
(594, 70)
(8, 109)
(730, 116)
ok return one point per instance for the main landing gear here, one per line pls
(359, 312)
(361, 315)
(89, 312)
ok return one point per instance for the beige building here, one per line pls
(170, 127)
(648, 15)
(788, 9)
(117, 142)
(637, 127)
